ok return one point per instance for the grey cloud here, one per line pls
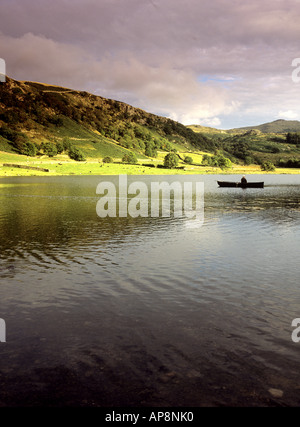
(123, 24)
(206, 60)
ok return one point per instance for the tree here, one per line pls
(171, 161)
(248, 160)
(19, 142)
(141, 144)
(59, 147)
(293, 138)
(206, 160)
(29, 149)
(129, 158)
(188, 160)
(76, 154)
(267, 166)
(66, 144)
(223, 162)
(218, 160)
(107, 159)
(150, 150)
(49, 149)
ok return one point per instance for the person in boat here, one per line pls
(244, 180)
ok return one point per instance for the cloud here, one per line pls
(212, 122)
(171, 92)
(38, 58)
(221, 61)
(289, 115)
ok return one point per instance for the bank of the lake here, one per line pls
(61, 166)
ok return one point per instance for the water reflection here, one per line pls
(147, 311)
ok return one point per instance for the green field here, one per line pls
(62, 165)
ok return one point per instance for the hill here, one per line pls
(277, 126)
(258, 144)
(34, 115)
(46, 120)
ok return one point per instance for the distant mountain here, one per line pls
(277, 126)
(36, 113)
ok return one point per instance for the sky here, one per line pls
(219, 63)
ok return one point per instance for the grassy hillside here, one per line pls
(263, 143)
(39, 114)
(39, 121)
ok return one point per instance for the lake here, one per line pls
(123, 311)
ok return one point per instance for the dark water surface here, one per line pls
(149, 311)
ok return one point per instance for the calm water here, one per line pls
(149, 311)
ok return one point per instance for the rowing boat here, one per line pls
(240, 184)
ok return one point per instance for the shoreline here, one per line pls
(61, 166)
(89, 169)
